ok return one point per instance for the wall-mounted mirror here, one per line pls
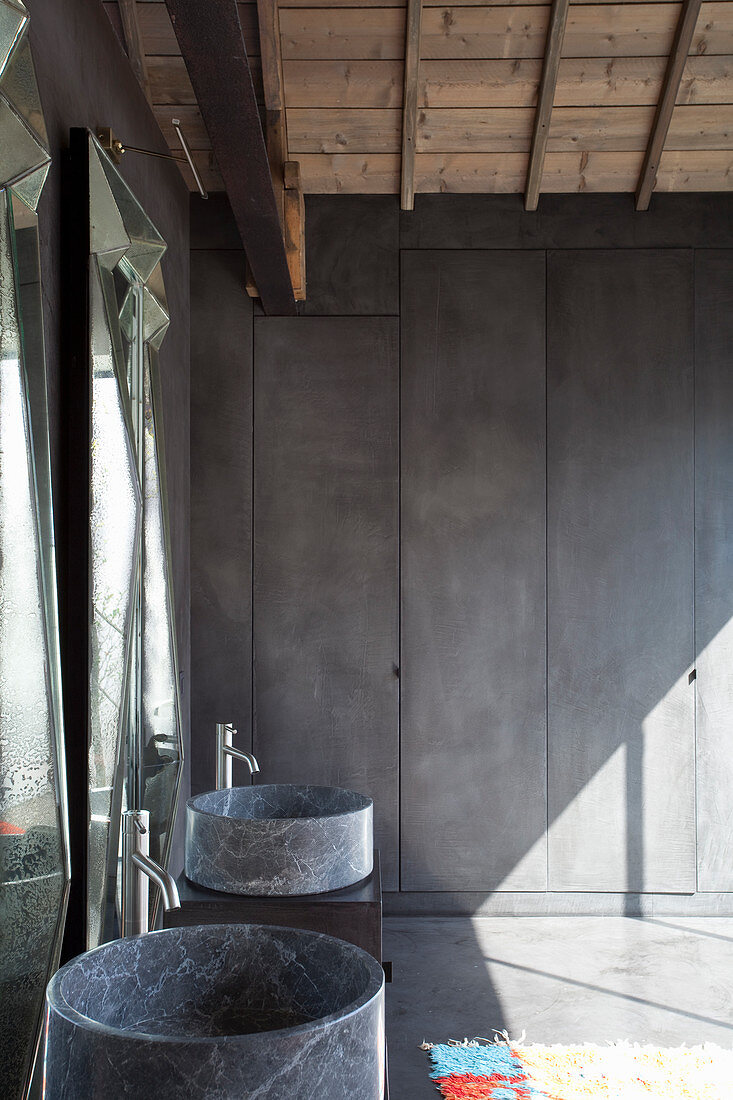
(34, 871)
(135, 744)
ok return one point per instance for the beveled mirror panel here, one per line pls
(34, 872)
(135, 736)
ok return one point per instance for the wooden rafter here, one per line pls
(211, 42)
(272, 79)
(665, 108)
(480, 68)
(288, 191)
(545, 102)
(294, 225)
(409, 102)
(134, 43)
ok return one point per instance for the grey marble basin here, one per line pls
(245, 1011)
(278, 839)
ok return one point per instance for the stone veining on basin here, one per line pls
(218, 1012)
(278, 839)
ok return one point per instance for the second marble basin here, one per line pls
(278, 839)
(217, 1013)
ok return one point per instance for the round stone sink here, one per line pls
(218, 1011)
(278, 839)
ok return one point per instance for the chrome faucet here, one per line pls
(138, 869)
(224, 753)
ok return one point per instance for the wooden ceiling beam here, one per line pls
(545, 102)
(268, 16)
(665, 108)
(211, 42)
(134, 43)
(288, 192)
(409, 102)
(294, 225)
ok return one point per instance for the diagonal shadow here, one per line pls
(607, 992)
(689, 931)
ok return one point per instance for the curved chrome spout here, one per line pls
(247, 757)
(225, 752)
(165, 881)
(138, 869)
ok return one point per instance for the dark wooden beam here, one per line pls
(409, 102)
(545, 101)
(211, 42)
(675, 67)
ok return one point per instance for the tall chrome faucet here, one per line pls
(138, 869)
(224, 753)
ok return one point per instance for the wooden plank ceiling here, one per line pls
(478, 72)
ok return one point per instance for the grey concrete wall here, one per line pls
(85, 80)
(325, 581)
(547, 383)
(473, 570)
(221, 506)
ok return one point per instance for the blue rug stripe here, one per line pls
(482, 1061)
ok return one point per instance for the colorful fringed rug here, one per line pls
(503, 1070)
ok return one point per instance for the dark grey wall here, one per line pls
(473, 569)
(620, 417)
(85, 80)
(714, 562)
(564, 430)
(325, 615)
(221, 506)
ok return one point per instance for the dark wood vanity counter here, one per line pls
(353, 913)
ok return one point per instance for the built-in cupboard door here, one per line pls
(325, 606)
(473, 571)
(620, 571)
(714, 565)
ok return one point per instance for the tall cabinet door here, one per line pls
(326, 559)
(620, 571)
(714, 565)
(473, 571)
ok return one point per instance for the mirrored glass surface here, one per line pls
(21, 149)
(146, 244)
(116, 516)
(161, 748)
(34, 871)
(137, 734)
(13, 20)
(29, 188)
(20, 89)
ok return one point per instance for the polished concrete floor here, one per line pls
(561, 980)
